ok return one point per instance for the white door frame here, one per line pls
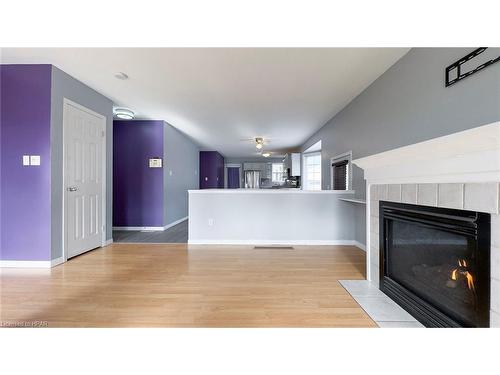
(103, 172)
(232, 165)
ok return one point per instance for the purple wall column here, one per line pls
(211, 170)
(25, 95)
(137, 189)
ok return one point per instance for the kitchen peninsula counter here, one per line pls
(270, 216)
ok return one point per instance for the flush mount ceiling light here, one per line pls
(259, 143)
(121, 75)
(124, 113)
(266, 154)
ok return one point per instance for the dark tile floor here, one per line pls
(175, 234)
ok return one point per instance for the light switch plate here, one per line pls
(35, 159)
(26, 160)
(155, 163)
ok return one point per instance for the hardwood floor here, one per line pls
(153, 285)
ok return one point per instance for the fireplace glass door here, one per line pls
(435, 255)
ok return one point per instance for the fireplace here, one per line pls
(435, 263)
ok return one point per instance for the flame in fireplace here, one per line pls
(461, 271)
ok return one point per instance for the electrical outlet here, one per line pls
(26, 160)
(210, 222)
(35, 159)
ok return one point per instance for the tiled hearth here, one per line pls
(483, 197)
(383, 310)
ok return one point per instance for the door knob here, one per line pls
(72, 188)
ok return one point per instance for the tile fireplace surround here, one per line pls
(460, 171)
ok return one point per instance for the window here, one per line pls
(312, 171)
(341, 171)
(277, 173)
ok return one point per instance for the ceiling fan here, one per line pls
(259, 141)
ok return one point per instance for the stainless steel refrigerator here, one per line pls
(252, 179)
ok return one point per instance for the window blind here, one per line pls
(340, 175)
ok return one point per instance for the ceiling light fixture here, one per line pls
(121, 75)
(124, 113)
(259, 143)
(266, 154)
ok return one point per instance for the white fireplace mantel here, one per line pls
(468, 156)
(461, 171)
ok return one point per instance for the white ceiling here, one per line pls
(220, 96)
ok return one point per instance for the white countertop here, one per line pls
(268, 191)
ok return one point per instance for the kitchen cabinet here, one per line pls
(296, 164)
(265, 169)
(211, 170)
(252, 166)
(293, 162)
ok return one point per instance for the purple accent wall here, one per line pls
(25, 99)
(137, 189)
(211, 170)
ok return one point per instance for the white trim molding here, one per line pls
(153, 228)
(359, 245)
(468, 156)
(57, 261)
(278, 242)
(25, 263)
(139, 228)
(240, 172)
(108, 242)
(174, 223)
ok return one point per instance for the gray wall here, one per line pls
(408, 104)
(65, 86)
(181, 157)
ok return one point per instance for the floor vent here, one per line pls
(273, 247)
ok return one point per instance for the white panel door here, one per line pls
(83, 157)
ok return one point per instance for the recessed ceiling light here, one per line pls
(121, 75)
(124, 113)
(266, 154)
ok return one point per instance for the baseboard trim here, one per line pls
(56, 262)
(275, 242)
(138, 228)
(108, 242)
(360, 245)
(174, 223)
(153, 228)
(25, 263)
